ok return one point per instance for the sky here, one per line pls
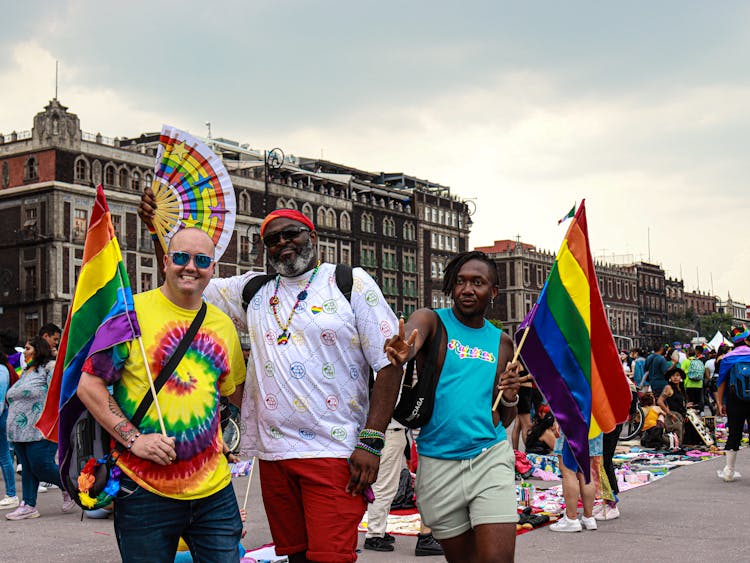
(526, 108)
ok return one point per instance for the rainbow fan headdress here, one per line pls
(192, 189)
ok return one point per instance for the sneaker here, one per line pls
(606, 512)
(378, 544)
(49, 486)
(8, 502)
(68, 504)
(565, 524)
(41, 489)
(427, 545)
(728, 475)
(19, 469)
(23, 512)
(389, 538)
(588, 523)
(98, 513)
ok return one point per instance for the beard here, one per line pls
(296, 266)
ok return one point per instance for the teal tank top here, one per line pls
(461, 424)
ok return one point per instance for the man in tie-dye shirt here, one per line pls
(176, 484)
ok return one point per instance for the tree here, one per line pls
(709, 324)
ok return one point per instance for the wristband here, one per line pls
(508, 403)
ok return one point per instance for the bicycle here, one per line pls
(634, 424)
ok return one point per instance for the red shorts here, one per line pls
(309, 509)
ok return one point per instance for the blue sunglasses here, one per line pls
(180, 258)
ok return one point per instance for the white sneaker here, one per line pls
(728, 475)
(41, 489)
(565, 524)
(19, 468)
(588, 523)
(606, 512)
(68, 504)
(9, 502)
(49, 486)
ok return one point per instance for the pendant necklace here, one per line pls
(283, 338)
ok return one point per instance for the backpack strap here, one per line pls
(252, 287)
(431, 357)
(345, 280)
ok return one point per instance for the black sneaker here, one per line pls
(389, 538)
(427, 545)
(378, 544)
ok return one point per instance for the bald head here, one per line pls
(194, 236)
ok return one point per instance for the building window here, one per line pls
(346, 221)
(346, 253)
(307, 211)
(244, 248)
(80, 220)
(244, 202)
(327, 251)
(117, 225)
(331, 219)
(389, 227)
(109, 175)
(147, 281)
(136, 183)
(31, 325)
(81, 170)
(31, 169)
(123, 178)
(321, 217)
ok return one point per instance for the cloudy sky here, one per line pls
(641, 107)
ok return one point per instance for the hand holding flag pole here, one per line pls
(523, 379)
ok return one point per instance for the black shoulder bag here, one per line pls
(414, 408)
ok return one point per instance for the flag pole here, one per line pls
(514, 360)
(151, 384)
(249, 480)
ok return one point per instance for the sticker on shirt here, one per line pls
(329, 370)
(256, 302)
(330, 306)
(271, 402)
(269, 368)
(332, 402)
(371, 298)
(306, 434)
(386, 329)
(297, 370)
(328, 337)
(300, 404)
(353, 371)
(315, 309)
(358, 285)
(470, 352)
(338, 433)
(359, 343)
(275, 432)
(355, 406)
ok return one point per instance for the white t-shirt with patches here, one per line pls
(308, 397)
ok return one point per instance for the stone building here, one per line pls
(700, 302)
(652, 302)
(393, 225)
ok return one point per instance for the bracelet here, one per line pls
(133, 439)
(368, 449)
(509, 403)
(370, 433)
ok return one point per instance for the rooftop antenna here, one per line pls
(208, 124)
(697, 278)
(712, 283)
(648, 239)
(57, 67)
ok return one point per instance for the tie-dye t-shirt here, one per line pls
(189, 400)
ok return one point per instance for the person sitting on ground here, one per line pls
(544, 431)
(654, 434)
(672, 402)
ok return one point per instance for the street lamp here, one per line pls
(273, 159)
(695, 332)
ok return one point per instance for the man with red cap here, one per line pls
(306, 411)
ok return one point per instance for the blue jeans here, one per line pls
(38, 461)
(6, 463)
(148, 526)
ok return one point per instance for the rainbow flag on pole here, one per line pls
(570, 351)
(102, 315)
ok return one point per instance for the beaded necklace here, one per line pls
(283, 338)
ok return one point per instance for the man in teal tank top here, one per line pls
(466, 478)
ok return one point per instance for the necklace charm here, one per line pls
(283, 338)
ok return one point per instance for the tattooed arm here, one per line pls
(93, 393)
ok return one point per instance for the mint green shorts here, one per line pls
(455, 495)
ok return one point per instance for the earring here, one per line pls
(492, 302)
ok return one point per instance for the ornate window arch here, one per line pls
(331, 219)
(122, 177)
(31, 169)
(245, 205)
(135, 183)
(109, 174)
(81, 169)
(320, 217)
(346, 221)
(307, 211)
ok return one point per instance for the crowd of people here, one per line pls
(316, 395)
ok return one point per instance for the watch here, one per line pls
(375, 443)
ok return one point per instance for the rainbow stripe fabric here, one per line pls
(102, 315)
(570, 351)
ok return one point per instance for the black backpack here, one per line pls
(344, 281)
(414, 408)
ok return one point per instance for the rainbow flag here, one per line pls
(102, 315)
(570, 351)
